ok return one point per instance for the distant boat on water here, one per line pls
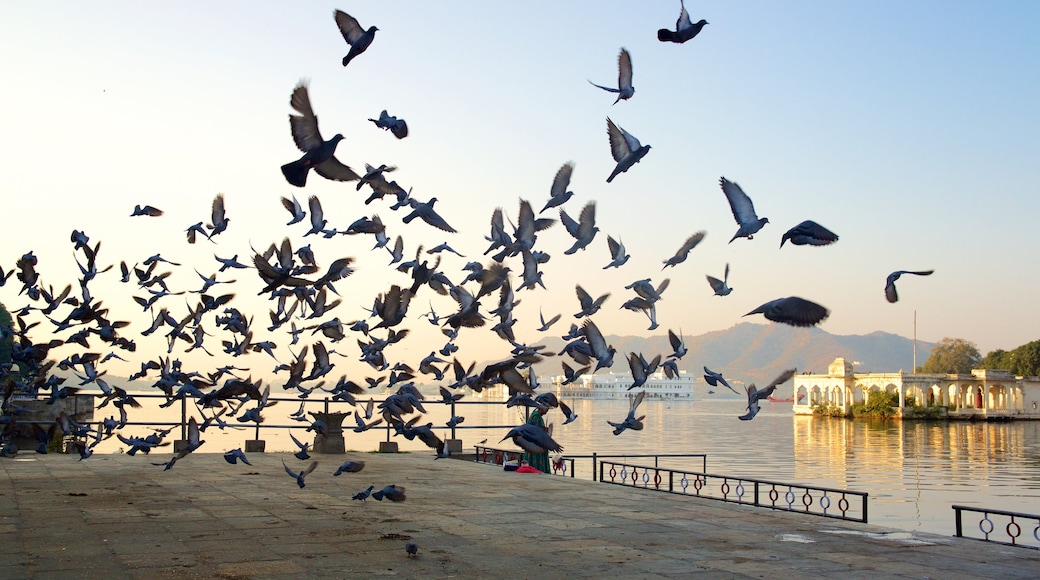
(773, 399)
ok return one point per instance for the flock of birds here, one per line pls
(304, 296)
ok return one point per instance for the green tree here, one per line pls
(1024, 360)
(953, 355)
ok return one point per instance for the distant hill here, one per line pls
(757, 352)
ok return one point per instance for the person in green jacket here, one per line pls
(545, 401)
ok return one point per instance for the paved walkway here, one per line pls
(116, 516)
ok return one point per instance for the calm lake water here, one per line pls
(914, 471)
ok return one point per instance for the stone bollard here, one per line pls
(255, 445)
(331, 440)
(388, 446)
(454, 445)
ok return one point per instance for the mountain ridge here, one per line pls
(749, 352)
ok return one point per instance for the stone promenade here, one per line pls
(115, 516)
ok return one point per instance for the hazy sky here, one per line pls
(911, 129)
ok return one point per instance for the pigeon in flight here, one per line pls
(720, 287)
(569, 414)
(684, 251)
(391, 492)
(809, 233)
(396, 126)
(426, 213)
(588, 305)
(532, 438)
(677, 343)
(792, 310)
(294, 208)
(715, 379)
(890, 283)
(618, 255)
(236, 455)
(146, 210)
(317, 153)
(558, 193)
(358, 38)
(625, 149)
(631, 422)
(625, 89)
(685, 29)
(349, 467)
(299, 477)
(584, 230)
(743, 210)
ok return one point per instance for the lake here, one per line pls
(913, 470)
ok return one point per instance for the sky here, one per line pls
(909, 129)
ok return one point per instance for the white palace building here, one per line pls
(984, 394)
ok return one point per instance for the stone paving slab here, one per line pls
(116, 516)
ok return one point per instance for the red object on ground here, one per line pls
(527, 469)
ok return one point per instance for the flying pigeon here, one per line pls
(625, 89)
(317, 153)
(890, 284)
(743, 210)
(720, 287)
(792, 310)
(146, 210)
(685, 29)
(630, 422)
(299, 477)
(625, 149)
(809, 233)
(558, 193)
(396, 126)
(715, 379)
(358, 38)
(684, 251)
(532, 438)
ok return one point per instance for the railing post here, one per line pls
(184, 418)
(594, 473)
(957, 523)
(452, 415)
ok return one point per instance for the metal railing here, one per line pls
(563, 466)
(820, 501)
(1012, 528)
(327, 404)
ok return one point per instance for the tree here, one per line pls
(1023, 361)
(953, 355)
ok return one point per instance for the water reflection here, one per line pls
(913, 471)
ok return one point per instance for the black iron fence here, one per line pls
(1014, 529)
(563, 466)
(820, 501)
